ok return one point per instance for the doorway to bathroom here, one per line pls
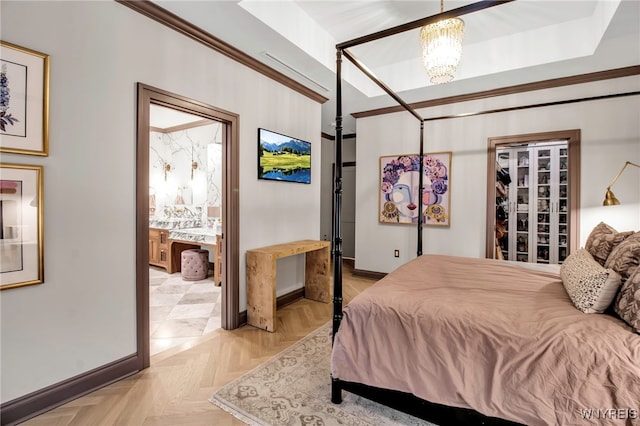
(187, 179)
(185, 201)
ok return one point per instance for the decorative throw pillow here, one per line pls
(628, 302)
(591, 287)
(625, 257)
(602, 240)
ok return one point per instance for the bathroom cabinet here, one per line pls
(159, 247)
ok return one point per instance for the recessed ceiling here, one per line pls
(513, 43)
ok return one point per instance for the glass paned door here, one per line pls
(522, 207)
(536, 203)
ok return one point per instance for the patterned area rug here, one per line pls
(294, 388)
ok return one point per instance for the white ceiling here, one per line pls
(163, 118)
(513, 43)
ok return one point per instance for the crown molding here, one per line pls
(510, 90)
(163, 16)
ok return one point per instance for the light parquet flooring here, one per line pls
(175, 390)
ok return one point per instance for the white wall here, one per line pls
(610, 136)
(83, 316)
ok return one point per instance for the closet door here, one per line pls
(505, 205)
(540, 204)
(550, 234)
(560, 203)
(544, 221)
(523, 208)
(515, 244)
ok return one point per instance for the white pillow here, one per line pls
(590, 286)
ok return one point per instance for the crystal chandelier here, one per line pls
(442, 47)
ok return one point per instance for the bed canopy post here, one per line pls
(336, 387)
(420, 189)
(337, 234)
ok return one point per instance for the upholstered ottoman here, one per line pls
(195, 264)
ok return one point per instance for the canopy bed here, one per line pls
(484, 341)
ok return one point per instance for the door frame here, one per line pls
(346, 165)
(230, 318)
(572, 137)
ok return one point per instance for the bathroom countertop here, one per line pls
(197, 235)
(174, 223)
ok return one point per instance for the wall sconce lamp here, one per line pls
(194, 167)
(167, 168)
(609, 198)
(194, 163)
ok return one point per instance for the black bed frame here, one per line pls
(442, 415)
(410, 404)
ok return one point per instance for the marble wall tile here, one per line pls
(179, 150)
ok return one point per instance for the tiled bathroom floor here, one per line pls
(180, 311)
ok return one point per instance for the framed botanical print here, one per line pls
(24, 100)
(21, 227)
(400, 190)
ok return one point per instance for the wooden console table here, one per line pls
(261, 278)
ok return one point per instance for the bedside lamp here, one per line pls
(609, 198)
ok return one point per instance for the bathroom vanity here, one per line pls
(168, 239)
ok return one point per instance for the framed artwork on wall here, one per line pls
(24, 100)
(21, 226)
(399, 189)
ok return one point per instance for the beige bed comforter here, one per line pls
(493, 336)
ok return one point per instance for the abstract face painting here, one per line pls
(400, 193)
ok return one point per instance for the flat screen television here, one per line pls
(283, 158)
